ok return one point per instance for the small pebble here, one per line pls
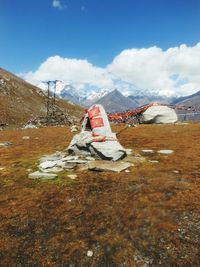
(148, 151)
(153, 161)
(26, 137)
(72, 176)
(89, 253)
(166, 151)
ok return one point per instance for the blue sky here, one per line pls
(96, 30)
(125, 44)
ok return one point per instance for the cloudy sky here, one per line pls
(128, 44)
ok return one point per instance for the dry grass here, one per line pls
(148, 217)
(21, 101)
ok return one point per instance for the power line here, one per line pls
(51, 104)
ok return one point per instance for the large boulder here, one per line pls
(159, 114)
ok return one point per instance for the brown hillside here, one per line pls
(21, 101)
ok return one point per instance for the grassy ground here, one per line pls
(149, 216)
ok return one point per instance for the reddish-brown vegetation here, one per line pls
(148, 217)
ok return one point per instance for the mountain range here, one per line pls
(21, 101)
(188, 101)
(112, 100)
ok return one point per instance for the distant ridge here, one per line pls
(188, 101)
(114, 101)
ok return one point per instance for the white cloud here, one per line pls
(77, 72)
(57, 4)
(174, 71)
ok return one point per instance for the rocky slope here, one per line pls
(189, 101)
(21, 101)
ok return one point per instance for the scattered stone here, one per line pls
(2, 168)
(48, 164)
(69, 166)
(108, 166)
(148, 151)
(127, 171)
(6, 144)
(153, 161)
(90, 158)
(30, 126)
(72, 176)
(70, 158)
(42, 175)
(175, 171)
(74, 128)
(90, 253)
(78, 161)
(54, 170)
(26, 137)
(59, 163)
(166, 151)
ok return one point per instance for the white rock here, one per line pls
(26, 137)
(153, 161)
(54, 170)
(105, 165)
(30, 126)
(90, 158)
(74, 128)
(49, 158)
(41, 175)
(90, 253)
(59, 163)
(148, 151)
(68, 166)
(166, 151)
(47, 164)
(78, 161)
(70, 158)
(5, 144)
(72, 176)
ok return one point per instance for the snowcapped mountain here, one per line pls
(87, 97)
(64, 91)
(71, 93)
(145, 97)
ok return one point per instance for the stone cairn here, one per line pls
(54, 117)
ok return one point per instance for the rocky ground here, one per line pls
(147, 215)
